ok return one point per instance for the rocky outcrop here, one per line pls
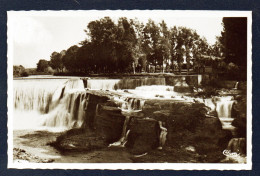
(239, 111)
(185, 121)
(91, 103)
(187, 125)
(22, 156)
(78, 140)
(109, 122)
(237, 145)
(143, 136)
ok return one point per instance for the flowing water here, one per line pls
(125, 83)
(224, 108)
(60, 104)
(54, 104)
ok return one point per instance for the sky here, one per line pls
(34, 35)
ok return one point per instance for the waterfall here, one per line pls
(56, 103)
(236, 85)
(224, 107)
(125, 83)
(132, 104)
(105, 84)
(209, 103)
(123, 139)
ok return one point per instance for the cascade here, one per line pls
(105, 84)
(155, 88)
(236, 85)
(51, 103)
(209, 103)
(223, 108)
(132, 104)
(125, 83)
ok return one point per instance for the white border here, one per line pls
(132, 166)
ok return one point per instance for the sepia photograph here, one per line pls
(130, 89)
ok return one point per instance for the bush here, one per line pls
(24, 74)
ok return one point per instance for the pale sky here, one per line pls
(35, 35)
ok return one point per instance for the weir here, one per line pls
(143, 116)
(59, 104)
(125, 83)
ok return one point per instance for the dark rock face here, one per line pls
(143, 136)
(239, 113)
(78, 140)
(183, 89)
(187, 125)
(109, 122)
(91, 103)
(237, 145)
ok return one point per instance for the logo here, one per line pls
(230, 154)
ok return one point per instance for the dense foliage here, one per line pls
(233, 44)
(131, 46)
(19, 71)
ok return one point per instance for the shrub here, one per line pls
(24, 74)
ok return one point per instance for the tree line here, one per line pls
(131, 46)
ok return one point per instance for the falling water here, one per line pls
(105, 84)
(57, 103)
(236, 85)
(129, 83)
(133, 104)
(223, 108)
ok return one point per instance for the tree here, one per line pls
(151, 37)
(42, 65)
(126, 49)
(19, 71)
(164, 46)
(103, 38)
(56, 61)
(234, 41)
(70, 59)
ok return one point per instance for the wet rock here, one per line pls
(190, 149)
(237, 145)
(240, 124)
(21, 156)
(78, 140)
(162, 115)
(242, 86)
(143, 136)
(109, 123)
(91, 103)
(213, 124)
(239, 107)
